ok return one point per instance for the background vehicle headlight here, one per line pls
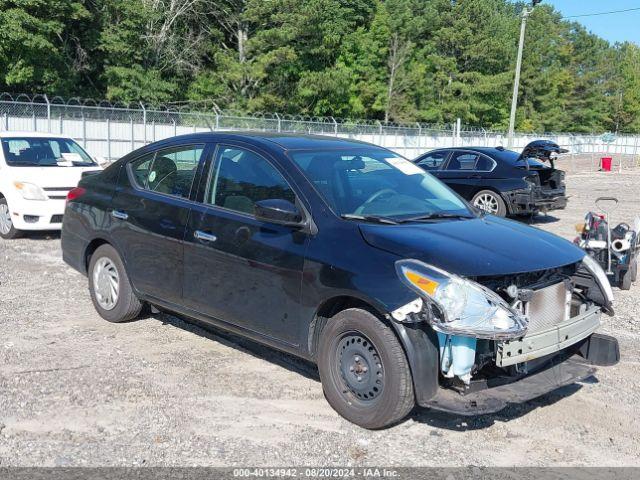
(30, 191)
(463, 307)
(601, 277)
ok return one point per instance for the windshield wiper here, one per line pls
(437, 216)
(370, 218)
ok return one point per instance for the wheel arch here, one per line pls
(92, 246)
(331, 306)
(419, 341)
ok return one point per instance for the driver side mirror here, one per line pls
(278, 211)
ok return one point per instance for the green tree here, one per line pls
(43, 46)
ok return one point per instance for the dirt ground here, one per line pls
(78, 391)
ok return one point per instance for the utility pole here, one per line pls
(516, 82)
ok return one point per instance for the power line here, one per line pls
(601, 13)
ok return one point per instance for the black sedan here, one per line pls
(500, 181)
(347, 255)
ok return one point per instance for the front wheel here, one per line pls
(7, 230)
(110, 289)
(364, 371)
(491, 202)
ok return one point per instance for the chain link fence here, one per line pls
(111, 130)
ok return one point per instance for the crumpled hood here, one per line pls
(478, 247)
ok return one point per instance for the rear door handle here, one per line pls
(119, 214)
(204, 236)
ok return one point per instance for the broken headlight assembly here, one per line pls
(460, 306)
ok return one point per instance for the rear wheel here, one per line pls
(490, 202)
(364, 371)
(7, 230)
(110, 289)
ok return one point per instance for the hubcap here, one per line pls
(5, 219)
(106, 283)
(360, 367)
(487, 202)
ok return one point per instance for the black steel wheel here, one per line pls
(360, 366)
(364, 370)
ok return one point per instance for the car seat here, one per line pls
(162, 177)
(326, 177)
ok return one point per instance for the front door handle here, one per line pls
(119, 214)
(204, 236)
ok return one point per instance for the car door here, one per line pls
(150, 212)
(460, 172)
(238, 269)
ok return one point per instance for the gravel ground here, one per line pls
(78, 391)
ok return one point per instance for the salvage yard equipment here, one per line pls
(616, 250)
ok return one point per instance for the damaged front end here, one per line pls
(509, 338)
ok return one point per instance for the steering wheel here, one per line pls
(379, 194)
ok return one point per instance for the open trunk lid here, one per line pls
(543, 150)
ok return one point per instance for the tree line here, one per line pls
(393, 60)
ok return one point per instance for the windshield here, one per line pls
(371, 182)
(44, 152)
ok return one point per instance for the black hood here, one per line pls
(484, 246)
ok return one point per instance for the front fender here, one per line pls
(420, 344)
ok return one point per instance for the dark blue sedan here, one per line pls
(347, 255)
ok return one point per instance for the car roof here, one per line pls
(500, 153)
(286, 141)
(10, 134)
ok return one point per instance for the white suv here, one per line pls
(37, 170)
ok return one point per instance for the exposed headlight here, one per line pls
(463, 307)
(601, 278)
(30, 191)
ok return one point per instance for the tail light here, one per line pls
(75, 193)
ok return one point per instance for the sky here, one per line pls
(617, 27)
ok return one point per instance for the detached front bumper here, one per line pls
(491, 395)
(535, 200)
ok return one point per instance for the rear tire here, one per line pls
(7, 230)
(110, 288)
(490, 202)
(364, 371)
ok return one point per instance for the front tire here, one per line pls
(490, 202)
(7, 230)
(364, 371)
(110, 288)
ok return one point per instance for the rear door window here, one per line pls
(170, 171)
(465, 161)
(484, 164)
